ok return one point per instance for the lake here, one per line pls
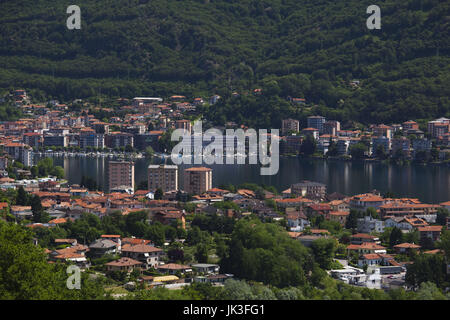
(429, 183)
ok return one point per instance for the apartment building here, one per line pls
(121, 174)
(163, 176)
(197, 180)
(316, 122)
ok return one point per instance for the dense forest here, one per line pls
(301, 48)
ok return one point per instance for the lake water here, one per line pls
(429, 183)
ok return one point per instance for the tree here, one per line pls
(429, 291)
(380, 153)
(332, 149)
(26, 274)
(22, 197)
(442, 215)
(427, 267)
(358, 150)
(396, 237)
(352, 219)
(37, 209)
(159, 194)
(308, 147)
(149, 152)
(323, 251)
(201, 253)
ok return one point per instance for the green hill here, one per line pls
(298, 48)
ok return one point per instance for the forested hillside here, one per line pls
(298, 48)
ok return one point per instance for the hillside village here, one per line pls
(373, 238)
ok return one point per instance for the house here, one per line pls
(22, 212)
(309, 189)
(74, 254)
(366, 247)
(369, 224)
(338, 216)
(406, 247)
(338, 205)
(369, 259)
(123, 264)
(406, 224)
(173, 268)
(430, 232)
(318, 209)
(206, 268)
(361, 238)
(101, 247)
(72, 242)
(365, 201)
(297, 220)
(148, 255)
(293, 202)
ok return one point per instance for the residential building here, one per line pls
(369, 224)
(431, 232)
(383, 131)
(163, 176)
(292, 144)
(401, 208)
(331, 127)
(406, 247)
(33, 139)
(101, 247)
(381, 141)
(121, 173)
(410, 125)
(401, 144)
(20, 152)
(55, 140)
(206, 268)
(173, 268)
(316, 122)
(89, 138)
(309, 189)
(289, 125)
(124, 264)
(197, 180)
(147, 255)
(119, 140)
(183, 124)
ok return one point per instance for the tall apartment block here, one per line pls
(316, 122)
(197, 180)
(121, 174)
(163, 176)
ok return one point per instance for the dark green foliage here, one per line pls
(396, 237)
(159, 194)
(305, 49)
(26, 275)
(428, 267)
(323, 251)
(442, 215)
(214, 223)
(264, 252)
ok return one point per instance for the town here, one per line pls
(170, 234)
